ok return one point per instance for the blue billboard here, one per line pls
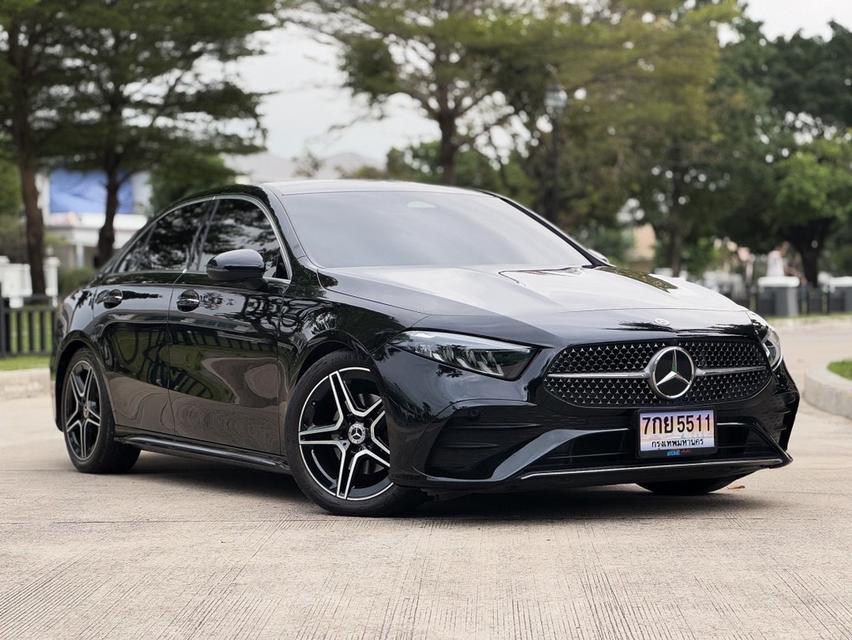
(85, 192)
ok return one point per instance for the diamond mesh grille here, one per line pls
(707, 353)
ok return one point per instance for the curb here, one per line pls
(24, 383)
(829, 392)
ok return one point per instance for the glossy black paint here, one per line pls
(235, 266)
(199, 365)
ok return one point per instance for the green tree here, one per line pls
(796, 89)
(156, 82)
(12, 234)
(811, 75)
(683, 179)
(184, 173)
(813, 198)
(34, 79)
(442, 54)
(475, 170)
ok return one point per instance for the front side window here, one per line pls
(172, 237)
(136, 258)
(240, 224)
(399, 228)
(167, 244)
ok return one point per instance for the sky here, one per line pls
(307, 110)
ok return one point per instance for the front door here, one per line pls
(226, 374)
(131, 312)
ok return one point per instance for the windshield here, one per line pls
(398, 228)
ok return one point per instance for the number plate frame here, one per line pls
(675, 451)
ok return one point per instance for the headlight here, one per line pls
(489, 357)
(769, 338)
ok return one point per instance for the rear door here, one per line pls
(131, 310)
(225, 387)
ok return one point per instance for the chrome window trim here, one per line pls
(147, 229)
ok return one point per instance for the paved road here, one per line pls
(182, 549)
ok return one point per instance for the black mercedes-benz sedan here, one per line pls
(383, 342)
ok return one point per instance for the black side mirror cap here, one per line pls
(236, 265)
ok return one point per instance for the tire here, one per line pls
(687, 487)
(339, 458)
(87, 420)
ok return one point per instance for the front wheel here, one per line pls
(335, 436)
(687, 487)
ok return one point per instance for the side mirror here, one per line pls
(236, 265)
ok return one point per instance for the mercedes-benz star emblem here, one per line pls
(672, 373)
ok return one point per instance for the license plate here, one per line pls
(672, 434)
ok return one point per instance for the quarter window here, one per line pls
(240, 224)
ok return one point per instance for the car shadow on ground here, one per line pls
(614, 502)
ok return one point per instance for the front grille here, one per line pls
(633, 357)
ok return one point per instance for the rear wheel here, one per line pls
(336, 440)
(87, 421)
(687, 487)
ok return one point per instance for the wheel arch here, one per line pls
(72, 346)
(324, 345)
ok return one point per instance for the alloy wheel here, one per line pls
(82, 410)
(343, 436)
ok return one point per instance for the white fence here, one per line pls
(15, 280)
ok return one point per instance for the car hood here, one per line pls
(517, 302)
(515, 291)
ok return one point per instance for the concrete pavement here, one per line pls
(186, 549)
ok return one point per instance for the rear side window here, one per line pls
(240, 224)
(168, 244)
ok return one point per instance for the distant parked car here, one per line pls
(386, 341)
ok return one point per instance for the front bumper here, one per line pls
(451, 430)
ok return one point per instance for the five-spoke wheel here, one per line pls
(337, 439)
(343, 435)
(82, 410)
(87, 422)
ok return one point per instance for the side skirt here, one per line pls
(205, 451)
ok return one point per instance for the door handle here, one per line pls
(113, 298)
(188, 300)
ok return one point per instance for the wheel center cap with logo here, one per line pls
(672, 373)
(357, 433)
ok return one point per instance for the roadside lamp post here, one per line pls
(555, 100)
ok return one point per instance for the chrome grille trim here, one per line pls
(646, 373)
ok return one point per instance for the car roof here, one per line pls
(293, 187)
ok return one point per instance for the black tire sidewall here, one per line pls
(392, 501)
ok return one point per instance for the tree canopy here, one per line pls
(155, 82)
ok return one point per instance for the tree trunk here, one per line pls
(106, 236)
(809, 240)
(35, 222)
(447, 149)
(810, 263)
(675, 251)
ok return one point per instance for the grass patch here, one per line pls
(842, 368)
(23, 362)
